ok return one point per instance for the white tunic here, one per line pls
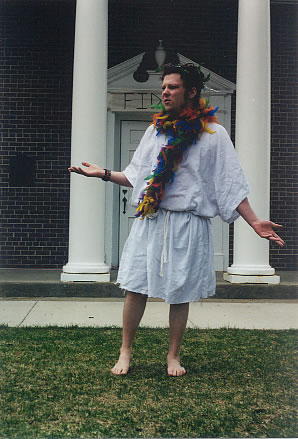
(171, 256)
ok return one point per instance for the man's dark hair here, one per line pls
(191, 76)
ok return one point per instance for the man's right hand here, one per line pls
(90, 170)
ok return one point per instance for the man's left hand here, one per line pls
(265, 230)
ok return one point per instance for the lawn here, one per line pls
(56, 383)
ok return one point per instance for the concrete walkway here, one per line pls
(38, 298)
(209, 313)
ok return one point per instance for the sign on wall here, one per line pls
(133, 101)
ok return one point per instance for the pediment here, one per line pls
(120, 78)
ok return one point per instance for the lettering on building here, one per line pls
(133, 101)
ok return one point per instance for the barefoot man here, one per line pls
(184, 172)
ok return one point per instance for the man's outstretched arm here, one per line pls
(263, 228)
(91, 170)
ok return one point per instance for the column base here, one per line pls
(251, 279)
(82, 267)
(251, 270)
(85, 272)
(85, 277)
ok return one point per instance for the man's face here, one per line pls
(174, 95)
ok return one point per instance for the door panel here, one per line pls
(131, 134)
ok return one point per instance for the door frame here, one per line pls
(113, 192)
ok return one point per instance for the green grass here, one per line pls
(56, 383)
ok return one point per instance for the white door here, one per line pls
(131, 134)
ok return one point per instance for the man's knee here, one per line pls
(136, 296)
(179, 305)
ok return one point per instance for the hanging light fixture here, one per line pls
(153, 61)
(160, 55)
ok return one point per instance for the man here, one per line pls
(169, 252)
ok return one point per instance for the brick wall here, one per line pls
(284, 181)
(35, 120)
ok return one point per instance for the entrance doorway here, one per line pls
(131, 134)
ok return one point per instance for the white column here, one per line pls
(253, 106)
(89, 108)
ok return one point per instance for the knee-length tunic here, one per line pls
(170, 256)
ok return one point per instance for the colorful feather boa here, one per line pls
(181, 133)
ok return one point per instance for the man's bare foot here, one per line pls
(122, 365)
(174, 368)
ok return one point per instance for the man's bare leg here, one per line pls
(177, 319)
(133, 311)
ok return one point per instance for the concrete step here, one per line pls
(46, 283)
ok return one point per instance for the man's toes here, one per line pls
(122, 365)
(119, 370)
(175, 368)
(116, 371)
(177, 372)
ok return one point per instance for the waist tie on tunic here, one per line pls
(164, 253)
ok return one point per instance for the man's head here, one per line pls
(181, 87)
